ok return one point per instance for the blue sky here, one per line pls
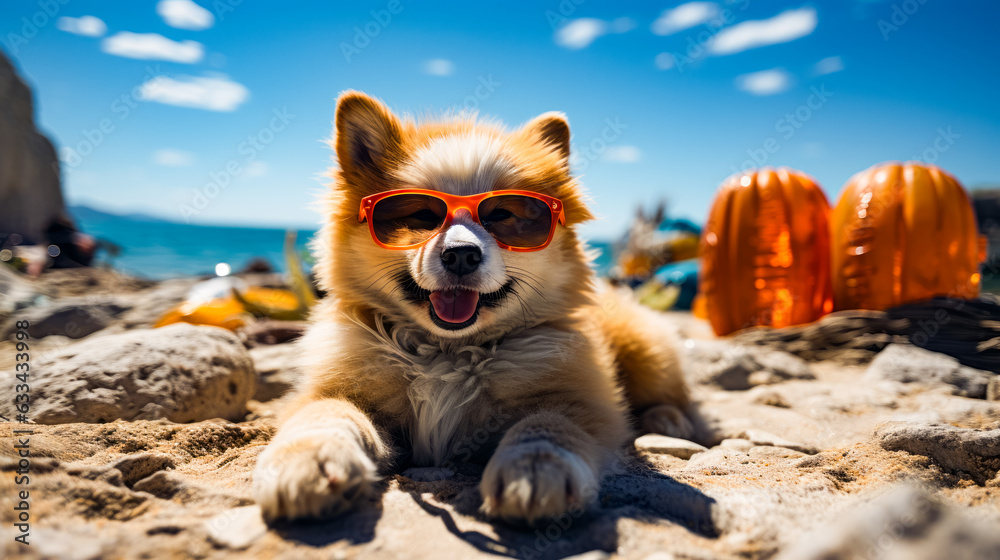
(665, 99)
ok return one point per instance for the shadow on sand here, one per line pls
(633, 489)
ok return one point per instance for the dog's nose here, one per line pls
(461, 260)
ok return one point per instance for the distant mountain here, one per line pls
(82, 213)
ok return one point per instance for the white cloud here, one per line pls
(169, 157)
(580, 33)
(622, 154)
(256, 168)
(828, 65)
(782, 28)
(439, 67)
(684, 17)
(185, 14)
(212, 93)
(88, 26)
(664, 61)
(765, 82)
(152, 46)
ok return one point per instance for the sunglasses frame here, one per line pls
(457, 202)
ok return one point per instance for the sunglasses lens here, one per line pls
(516, 220)
(407, 219)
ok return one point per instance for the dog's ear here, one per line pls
(368, 135)
(551, 129)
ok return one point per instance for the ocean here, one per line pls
(160, 250)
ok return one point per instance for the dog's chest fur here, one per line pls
(457, 393)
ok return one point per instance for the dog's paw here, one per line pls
(536, 480)
(668, 420)
(321, 473)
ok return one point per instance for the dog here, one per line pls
(462, 306)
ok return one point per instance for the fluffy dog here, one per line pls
(417, 351)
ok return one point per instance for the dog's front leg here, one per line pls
(544, 466)
(322, 461)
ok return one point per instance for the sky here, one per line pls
(218, 112)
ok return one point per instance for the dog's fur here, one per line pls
(540, 387)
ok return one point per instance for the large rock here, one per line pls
(904, 524)
(276, 368)
(911, 364)
(30, 193)
(976, 452)
(737, 367)
(70, 317)
(180, 373)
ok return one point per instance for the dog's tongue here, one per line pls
(455, 306)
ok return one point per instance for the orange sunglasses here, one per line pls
(408, 218)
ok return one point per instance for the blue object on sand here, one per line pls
(680, 224)
(683, 274)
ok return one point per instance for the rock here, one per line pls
(768, 452)
(237, 528)
(70, 317)
(904, 524)
(760, 437)
(736, 444)
(976, 452)
(67, 545)
(73, 282)
(993, 389)
(681, 448)
(276, 370)
(273, 332)
(16, 293)
(181, 373)
(138, 466)
(736, 367)
(162, 484)
(30, 192)
(911, 364)
(715, 457)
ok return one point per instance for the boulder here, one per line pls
(736, 367)
(976, 452)
(276, 370)
(181, 373)
(906, 523)
(30, 192)
(70, 317)
(270, 331)
(906, 363)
